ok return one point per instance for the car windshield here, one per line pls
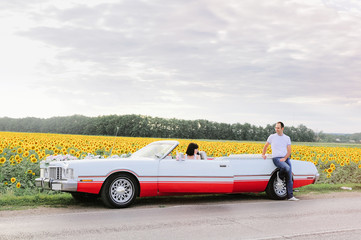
(155, 150)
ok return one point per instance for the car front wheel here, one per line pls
(119, 191)
(275, 189)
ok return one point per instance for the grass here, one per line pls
(320, 188)
(11, 202)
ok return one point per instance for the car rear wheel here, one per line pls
(119, 191)
(275, 189)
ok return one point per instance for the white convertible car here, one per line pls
(151, 171)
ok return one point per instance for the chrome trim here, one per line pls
(49, 184)
(317, 177)
(56, 172)
(39, 182)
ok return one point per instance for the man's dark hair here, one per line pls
(191, 148)
(281, 123)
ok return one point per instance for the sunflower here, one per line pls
(12, 180)
(18, 185)
(2, 160)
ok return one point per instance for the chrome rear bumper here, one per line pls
(317, 177)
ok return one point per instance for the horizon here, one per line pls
(263, 126)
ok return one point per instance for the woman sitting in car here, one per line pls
(193, 152)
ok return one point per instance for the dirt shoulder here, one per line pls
(344, 194)
(161, 203)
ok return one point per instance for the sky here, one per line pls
(230, 61)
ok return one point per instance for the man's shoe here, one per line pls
(293, 199)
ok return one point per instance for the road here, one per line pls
(325, 217)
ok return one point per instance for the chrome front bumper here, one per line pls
(57, 185)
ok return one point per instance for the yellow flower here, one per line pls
(34, 160)
(20, 150)
(5, 183)
(18, 185)
(30, 171)
(12, 180)
(2, 160)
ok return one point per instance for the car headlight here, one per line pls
(69, 172)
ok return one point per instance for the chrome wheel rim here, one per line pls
(121, 190)
(280, 188)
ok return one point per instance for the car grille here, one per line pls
(55, 173)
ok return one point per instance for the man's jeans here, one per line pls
(285, 171)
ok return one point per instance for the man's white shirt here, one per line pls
(279, 144)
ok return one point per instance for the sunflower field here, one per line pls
(21, 153)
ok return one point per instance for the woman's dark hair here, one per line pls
(191, 148)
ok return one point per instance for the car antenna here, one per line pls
(115, 137)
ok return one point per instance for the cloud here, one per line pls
(235, 61)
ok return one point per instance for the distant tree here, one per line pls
(145, 126)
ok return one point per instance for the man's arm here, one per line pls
(265, 150)
(289, 150)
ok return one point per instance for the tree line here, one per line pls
(146, 126)
(342, 138)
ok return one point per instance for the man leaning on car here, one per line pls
(281, 152)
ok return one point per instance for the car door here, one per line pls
(194, 176)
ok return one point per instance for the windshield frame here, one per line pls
(156, 150)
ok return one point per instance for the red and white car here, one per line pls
(151, 171)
